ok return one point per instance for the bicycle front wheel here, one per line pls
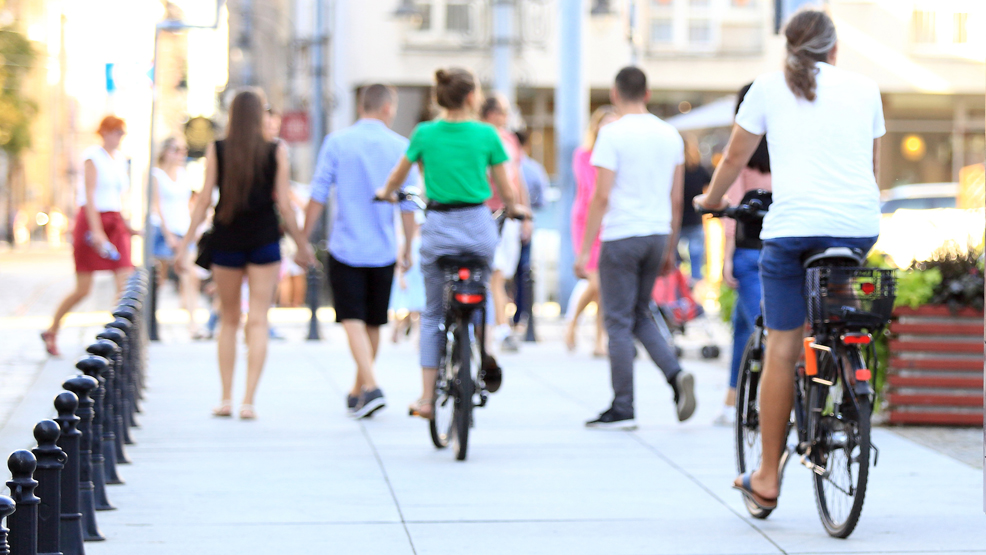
(464, 387)
(842, 452)
(748, 442)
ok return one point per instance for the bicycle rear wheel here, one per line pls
(747, 428)
(464, 387)
(842, 451)
(441, 425)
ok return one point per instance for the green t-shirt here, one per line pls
(455, 157)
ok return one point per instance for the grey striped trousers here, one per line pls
(469, 231)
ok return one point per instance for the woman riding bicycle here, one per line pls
(454, 152)
(823, 126)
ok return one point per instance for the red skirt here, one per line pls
(86, 257)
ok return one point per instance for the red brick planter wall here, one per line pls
(936, 367)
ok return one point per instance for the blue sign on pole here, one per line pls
(110, 82)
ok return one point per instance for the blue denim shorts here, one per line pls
(161, 248)
(783, 277)
(267, 254)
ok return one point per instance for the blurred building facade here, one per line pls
(927, 58)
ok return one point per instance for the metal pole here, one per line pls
(503, 43)
(571, 103)
(318, 132)
(632, 34)
(148, 238)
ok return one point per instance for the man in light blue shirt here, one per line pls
(355, 162)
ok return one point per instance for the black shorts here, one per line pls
(361, 293)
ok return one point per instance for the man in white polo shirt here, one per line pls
(639, 161)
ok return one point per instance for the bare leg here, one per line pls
(228, 282)
(730, 397)
(83, 285)
(776, 398)
(189, 284)
(120, 277)
(285, 292)
(589, 294)
(262, 280)
(373, 332)
(361, 346)
(299, 289)
(600, 349)
(498, 287)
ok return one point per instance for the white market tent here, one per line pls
(718, 113)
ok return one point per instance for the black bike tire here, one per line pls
(844, 529)
(465, 388)
(746, 388)
(437, 438)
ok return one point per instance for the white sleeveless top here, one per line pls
(112, 180)
(173, 194)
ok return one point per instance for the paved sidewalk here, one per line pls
(304, 477)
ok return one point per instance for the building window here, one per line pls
(699, 31)
(457, 18)
(924, 27)
(424, 14)
(661, 31)
(960, 33)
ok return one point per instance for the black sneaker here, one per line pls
(683, 385)
(492, 374)
(612, 420)
(369, 403)
(351, 402)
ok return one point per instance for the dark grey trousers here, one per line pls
(627, 270)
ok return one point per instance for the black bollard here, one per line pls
(23, 523)
(528, 284)
(108, 350)
(115, 411)
(312, 299)
(70, 529)
(83, 386)
(135, 356)
(7, 508)
(126, 404)
(130, 310)
(51, 460)
(95, 367)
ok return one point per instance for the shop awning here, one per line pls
(718, 113)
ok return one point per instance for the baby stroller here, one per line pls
(673, 306)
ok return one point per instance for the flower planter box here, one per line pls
(935, 375)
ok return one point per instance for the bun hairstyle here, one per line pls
(810, 37)
(453, 86)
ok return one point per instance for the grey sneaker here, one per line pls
(612, 420)
(684, 395)
(351, 402)
(369, 403)
(509, 345)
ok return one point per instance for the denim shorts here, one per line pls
(783, 276)
(267, 254)
(161, 248)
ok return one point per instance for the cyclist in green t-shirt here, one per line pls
(455, 153)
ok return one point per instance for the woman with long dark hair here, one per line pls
(252, 175)
(823, 127)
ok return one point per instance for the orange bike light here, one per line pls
(863, 375)
(811, 362)
(464, 274)
(466, 298)
(856, 339)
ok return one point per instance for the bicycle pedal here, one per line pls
(876, 454)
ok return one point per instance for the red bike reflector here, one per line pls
(464, 274)
(468, 299)
(861, 339)
(863, 375)
(867, 288)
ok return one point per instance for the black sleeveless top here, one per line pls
(257, 224)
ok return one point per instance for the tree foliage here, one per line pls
(17, 56)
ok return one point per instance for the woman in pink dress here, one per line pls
(587, 291)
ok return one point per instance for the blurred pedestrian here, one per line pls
(251, 174)
(496, 111)
(455, 153)
(101, 239)
(170, 217)
(408, 297)
(355, 161)
(639, 162)
(696, 180)
(537, 182)
(823, 125)
(740, 266)
(587, 290)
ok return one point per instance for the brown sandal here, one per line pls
(422, 408)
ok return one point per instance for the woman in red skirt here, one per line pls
(101, 239)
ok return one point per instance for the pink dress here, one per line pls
(749, 179)
(585, 179)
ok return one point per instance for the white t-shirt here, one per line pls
(112, 180)
(821, 153)
(643, 151)
(173, 195)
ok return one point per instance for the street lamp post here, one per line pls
(168, 25)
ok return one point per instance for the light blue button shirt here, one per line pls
(356, 161)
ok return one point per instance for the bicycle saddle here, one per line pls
(833, 256)
(456, 261)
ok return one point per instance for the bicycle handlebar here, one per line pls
(750, 211)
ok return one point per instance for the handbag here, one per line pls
(204, 258)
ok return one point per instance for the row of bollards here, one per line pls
(57, 488)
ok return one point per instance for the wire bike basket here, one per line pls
(859, 297)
